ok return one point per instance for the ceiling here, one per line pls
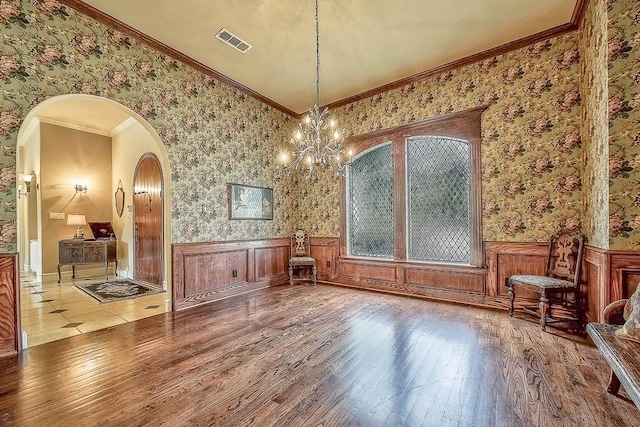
(364, 44)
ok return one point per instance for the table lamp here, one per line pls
(79, 220)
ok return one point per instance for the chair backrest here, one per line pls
(565, 256)
(300, 243)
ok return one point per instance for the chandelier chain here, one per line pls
(317, 57)
(317, 143)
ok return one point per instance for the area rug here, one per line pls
(116, 290)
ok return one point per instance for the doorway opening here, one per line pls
(72, 123)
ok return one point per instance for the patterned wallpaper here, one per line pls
(213, 133)
(595, 129)
(531, 152)
(623, 49)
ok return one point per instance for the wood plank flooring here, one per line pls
(308, 356)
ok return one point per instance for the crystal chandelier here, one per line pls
(317, 141)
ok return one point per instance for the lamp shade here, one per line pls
(76, 219)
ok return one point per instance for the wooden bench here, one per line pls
(620, 353)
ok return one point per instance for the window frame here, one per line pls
(465, 125)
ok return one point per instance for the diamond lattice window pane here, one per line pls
(370, 204)
(438, 199)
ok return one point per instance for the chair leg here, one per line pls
(614, 384)
(544, 311)
(290, 275)
(512, 296)
(315, 270)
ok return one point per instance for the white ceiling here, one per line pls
(364, 44)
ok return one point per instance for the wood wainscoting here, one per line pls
(204, 272)
(9, 304)
(616, 275)
(607, 275)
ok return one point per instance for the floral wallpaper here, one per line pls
(531, 143)
(623, 50)
(595, 129)
(546, 150)
(213, 133)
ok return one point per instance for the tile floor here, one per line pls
(51, 311)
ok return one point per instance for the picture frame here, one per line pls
(249, 202)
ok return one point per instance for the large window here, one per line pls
(438, 199)
(413, 193)
(370, 195)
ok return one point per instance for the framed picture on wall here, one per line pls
(248, 202)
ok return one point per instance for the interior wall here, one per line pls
(214, 134)
(69, 156)
(623, 54)
(30, 155)
(595, 129)
(128, 147)
(531, 146)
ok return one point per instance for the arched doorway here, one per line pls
(131, 137)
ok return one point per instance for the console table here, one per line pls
(79, 252)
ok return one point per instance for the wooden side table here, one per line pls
(81, 252)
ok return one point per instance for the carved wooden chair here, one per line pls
(301, 260)
(559, 288)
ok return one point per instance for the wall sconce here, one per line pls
(81, 188)
(79, 220)
(28, 179)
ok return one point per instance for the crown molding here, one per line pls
(122, 126)
(574, 24)
(73, 126)
(112, 22)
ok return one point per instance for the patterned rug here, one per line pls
(119, 289)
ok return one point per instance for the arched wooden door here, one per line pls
(148, 221)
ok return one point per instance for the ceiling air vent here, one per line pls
(233, 40)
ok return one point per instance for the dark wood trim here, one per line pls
(578, 13)
(446, 282)
(204, 271)
(10, 329)
(596, 268)
(326, 251)
(399, 202)
(112, 22)
(574, 24)
(475, 196)
(608, 275)
(464, 125)
(523, 250)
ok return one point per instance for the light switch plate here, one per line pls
(56, 215)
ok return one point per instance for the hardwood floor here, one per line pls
(307, 356)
